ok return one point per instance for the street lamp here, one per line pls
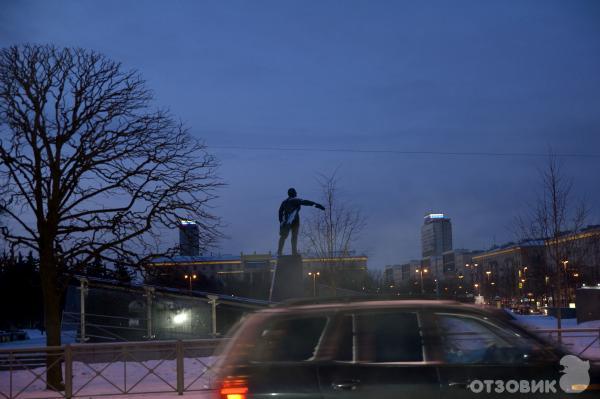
(314, 276)
(189, 278)
(421, 271)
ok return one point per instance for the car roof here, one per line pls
(340, 304)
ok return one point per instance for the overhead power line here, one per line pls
(404, 152)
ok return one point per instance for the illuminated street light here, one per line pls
(421, 271)
(189, 278)
(180, 318)
(314, 276)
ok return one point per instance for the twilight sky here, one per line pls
(441, 76)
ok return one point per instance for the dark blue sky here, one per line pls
(458, 76)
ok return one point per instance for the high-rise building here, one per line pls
(436, 235)
(189, 238)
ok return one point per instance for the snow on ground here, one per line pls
(584, 344)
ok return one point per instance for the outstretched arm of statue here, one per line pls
(312, 203)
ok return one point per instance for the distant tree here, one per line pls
(123, 272)
(89, 170)
(331, 234)
(555, 214)
(20, 292)
(96, 268)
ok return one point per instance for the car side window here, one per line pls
(380, 337)
(471, 340)
(290, 339)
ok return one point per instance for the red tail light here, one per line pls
(234, 388)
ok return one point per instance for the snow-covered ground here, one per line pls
(584, 344)
(37, 339)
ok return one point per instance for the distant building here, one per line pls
(401, 273)
(457, 261)
(513, 270)
(434, 265)
(189, 238)
(244, 265)
(436, 235)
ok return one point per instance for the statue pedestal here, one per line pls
(287, 280)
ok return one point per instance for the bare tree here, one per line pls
(330, 234)
(554, 216)
(90, 171)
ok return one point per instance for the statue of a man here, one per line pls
(289, 219)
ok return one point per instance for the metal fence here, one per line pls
(108, 369)
(584, 342)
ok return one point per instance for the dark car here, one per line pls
(390, 349)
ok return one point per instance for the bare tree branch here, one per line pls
(88, 169)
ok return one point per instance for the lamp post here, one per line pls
(565, 298)
(475, 273)
(189, 278)
(421, 271)
(488, 273)
(314, 276)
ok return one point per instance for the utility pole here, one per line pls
(83, 289)
(149, 296)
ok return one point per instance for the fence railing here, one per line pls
(108, 369)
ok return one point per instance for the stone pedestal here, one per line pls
(287, 279)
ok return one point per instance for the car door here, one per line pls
(379, 354)
(482, 357)
(281, 362)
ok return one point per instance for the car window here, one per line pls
(472, 340)
(292, 339)
(381, 337)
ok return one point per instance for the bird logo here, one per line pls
(576, 376)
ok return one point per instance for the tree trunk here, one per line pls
(51, 289)
(558, 301)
